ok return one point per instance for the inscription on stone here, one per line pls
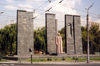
(69, 38)
(73, 41)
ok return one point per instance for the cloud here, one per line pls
(19, 6)
(1, 26)
(98, 21)
(33, 0)
(83, 22)
(66, 7)
(9, 0)
(11, 22)
(39, 21)
(25, 7)
(10, 7)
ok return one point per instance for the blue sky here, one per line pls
(73, 7)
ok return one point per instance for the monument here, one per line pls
(73, 40)
(51, 31)
(24, 32)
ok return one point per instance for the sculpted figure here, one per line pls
(59, 43)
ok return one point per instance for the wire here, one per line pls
(41, 5)
(54, 5)
(83, 11)
(48, 9)
(2, 4)
(29, 8)
(69, 7)
(49, 1)
(61, 1)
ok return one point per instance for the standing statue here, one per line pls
(59, 43)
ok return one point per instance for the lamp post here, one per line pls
(88, 52)
(30, 50)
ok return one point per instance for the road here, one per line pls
(94, 64)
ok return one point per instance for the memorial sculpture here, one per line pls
(73, 41)
(59, 44)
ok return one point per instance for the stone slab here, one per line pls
(73, 38)
(51, 30)
(78, 37)
(24, 32)
(69, 38)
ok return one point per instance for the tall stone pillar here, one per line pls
(69, 38)
(51, 30)
(24, 32)
(78, 37)
(73, 40)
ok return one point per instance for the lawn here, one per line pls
(67, 59)
(3, 60)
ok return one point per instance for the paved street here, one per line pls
(92, 64)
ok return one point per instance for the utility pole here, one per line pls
(88, 52)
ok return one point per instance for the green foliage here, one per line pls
(39, 39)
(84, 39)
(8, 39)
(94, 37)
(3, 60)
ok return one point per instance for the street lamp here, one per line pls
(88, 52)
(30, 50)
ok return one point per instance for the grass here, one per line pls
(95, 58)
(3, 60)
(68, 59)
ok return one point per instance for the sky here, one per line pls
(73, 7)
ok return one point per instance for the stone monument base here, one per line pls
(45, 56)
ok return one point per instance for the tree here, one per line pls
(8, 39)
(39, 40)
(84, 39)
(94, 38)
